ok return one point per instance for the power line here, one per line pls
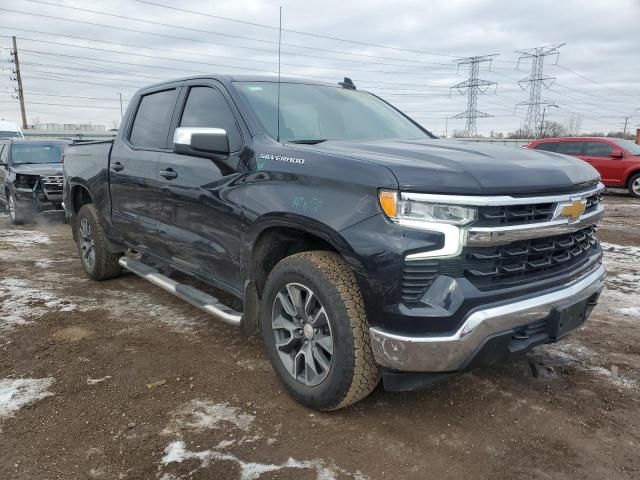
(151, 22)
(64, 105)
(316, 35)
(598, 83)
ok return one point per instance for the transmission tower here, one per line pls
(534, 82)
(471, 88)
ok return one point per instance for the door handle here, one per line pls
(169, 174)
(116, 167)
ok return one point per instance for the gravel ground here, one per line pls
(120, 380)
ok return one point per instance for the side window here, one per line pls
(570, 148)
(4, 153)
(206, 107)
(598, 149)
(547, 146)
(151, 123)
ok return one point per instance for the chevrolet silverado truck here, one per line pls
(356, 243)
(31, 177)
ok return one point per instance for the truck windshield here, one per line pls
(10, 134)
(24, 153)
(314, 113)
(628, 145)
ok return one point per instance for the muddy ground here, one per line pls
(120, 380)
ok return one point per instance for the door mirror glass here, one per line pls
(199, 142)
(617, 153)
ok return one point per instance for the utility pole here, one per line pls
(544, 110)
(471, 88)
(626, 122)
(534, 82)
(19, 79)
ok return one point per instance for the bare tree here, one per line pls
(552, 129)
(573, 125)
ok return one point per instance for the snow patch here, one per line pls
(94, 381)
(22, 238)
(16, 393)
(198, 415)
(583, 358)
(21, 302)
(177, 452)
(630, 311)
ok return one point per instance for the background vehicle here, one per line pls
(31, 177)
(617, 160)
(10, 130)
(355, 242)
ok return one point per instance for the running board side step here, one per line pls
(195, 297)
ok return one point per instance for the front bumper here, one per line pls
(38, 200)
(455, 352)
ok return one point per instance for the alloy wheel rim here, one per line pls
(636, 186)
(302, 334)
(87, 244)
(12, 208)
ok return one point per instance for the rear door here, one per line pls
(598, 154)
(200, 206)
(133, 168)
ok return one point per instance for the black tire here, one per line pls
(634, 185)
(353, 373)
(17, 214)
(105, 264)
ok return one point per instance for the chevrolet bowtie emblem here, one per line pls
(574, 210)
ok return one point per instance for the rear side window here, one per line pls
(206, 107)
(598, 149)
(570, 148)
(547, 146)
(151, 123)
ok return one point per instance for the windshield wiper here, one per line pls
(309, 141)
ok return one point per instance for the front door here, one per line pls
(133, 170)
(200, 206)
(598, 154)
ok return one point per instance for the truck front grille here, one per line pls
(528, 260)
(523, 214)
(52, 183)
(518, 263)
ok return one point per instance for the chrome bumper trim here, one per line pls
(499, 200)
(447, 354)
(488, 236)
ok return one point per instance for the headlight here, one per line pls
(403, 208)
(25, 181)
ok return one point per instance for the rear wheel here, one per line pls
(634, 185)
(315, 331)
(97, 261)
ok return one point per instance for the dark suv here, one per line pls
(31, 177)
(617, 160)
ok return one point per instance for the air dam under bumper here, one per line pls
(452, 353)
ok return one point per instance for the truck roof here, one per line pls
(230, 78)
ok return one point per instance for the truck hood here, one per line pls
(38, 169)
(445, 166)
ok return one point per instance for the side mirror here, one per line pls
(199, 141)
(617, 154)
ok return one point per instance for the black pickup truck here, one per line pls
(355, 242)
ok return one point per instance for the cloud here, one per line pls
(601, 42)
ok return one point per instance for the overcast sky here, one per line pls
(597, 75)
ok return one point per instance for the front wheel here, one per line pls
(97, 261)
(315, 331)
(17, 214)
(634, 185)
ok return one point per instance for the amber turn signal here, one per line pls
(389, 202)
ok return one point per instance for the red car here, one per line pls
(617, 160)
